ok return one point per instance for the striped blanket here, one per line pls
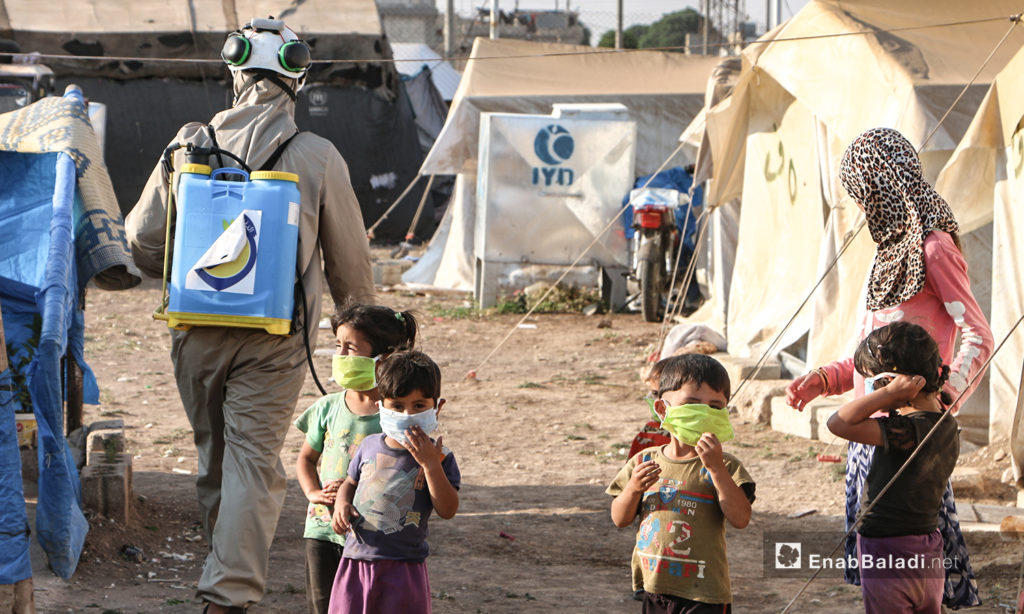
(61, 124)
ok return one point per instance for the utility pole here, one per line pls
(494, 18)
(449, 30)
(618, 25)
(705, 16)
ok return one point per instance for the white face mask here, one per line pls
(394, 423)
(869, 382)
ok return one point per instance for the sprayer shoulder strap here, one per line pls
(274, 157)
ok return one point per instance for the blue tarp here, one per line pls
(39, 205)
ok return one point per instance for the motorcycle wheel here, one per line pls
(650, 289)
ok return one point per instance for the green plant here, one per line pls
(19, 357)
(530, 385)
(559, 299)
(452, 313)
(110, 450)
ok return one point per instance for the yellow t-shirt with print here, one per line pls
(680, 545)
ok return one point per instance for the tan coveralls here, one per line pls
(239, 386)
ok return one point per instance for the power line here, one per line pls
(1014, 18)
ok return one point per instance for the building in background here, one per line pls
(411, 21)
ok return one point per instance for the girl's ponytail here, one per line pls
(409, 320)
(945, 397)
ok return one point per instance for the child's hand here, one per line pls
(422, 449)
(341, 520)
(323, 496)
(327, 494)
(709, 449)
(903, 388)
(644, 476)
(803, 390)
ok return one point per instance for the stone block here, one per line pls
(969, 482)
(807, 423)
(823, 412)
(754, 401)
(17, 598)
(104, 441)
(389, 272)
(107, 488)
(741, 368)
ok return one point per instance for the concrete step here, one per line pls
(809, 423)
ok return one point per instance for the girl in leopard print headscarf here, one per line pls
(919, 275)
(881, 172)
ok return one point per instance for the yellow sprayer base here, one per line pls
(180, 320)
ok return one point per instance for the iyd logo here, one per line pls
(553, 145)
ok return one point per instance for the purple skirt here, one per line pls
(902, 575)
(370, 587)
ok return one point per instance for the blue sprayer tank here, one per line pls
(234, 250)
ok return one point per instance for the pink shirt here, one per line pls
(944, 307)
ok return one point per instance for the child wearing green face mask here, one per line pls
(335, 426)
(684, 491)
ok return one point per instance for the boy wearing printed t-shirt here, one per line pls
(684, 492)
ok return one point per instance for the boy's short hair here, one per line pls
(697, 368)
(404, 372)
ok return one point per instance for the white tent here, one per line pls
(985, 173)
(806, 90)
(663, 92)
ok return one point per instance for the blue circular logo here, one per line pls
(553, 144)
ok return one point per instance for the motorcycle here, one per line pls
(655, 243)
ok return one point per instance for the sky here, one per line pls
(599, 15)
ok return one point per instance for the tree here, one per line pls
(630, 37)
(671, 29)
(586, 36)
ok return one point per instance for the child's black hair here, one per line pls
(697, 368)
(906, 348)
(405, 372)
(387, 330)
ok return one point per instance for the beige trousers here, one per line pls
(239, 388)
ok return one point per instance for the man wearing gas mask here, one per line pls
(239, 385)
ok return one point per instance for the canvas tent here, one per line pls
(351, 97)
(985, 173)
(430, 84)
(806, 90)
(663, 92)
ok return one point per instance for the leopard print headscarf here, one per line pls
(882, 173)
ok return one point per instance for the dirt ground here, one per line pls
(538, 436)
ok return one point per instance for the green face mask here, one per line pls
(354, 372)
(688, 422)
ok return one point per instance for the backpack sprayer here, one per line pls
(225, 272)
